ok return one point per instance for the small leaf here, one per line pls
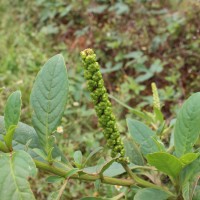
(40, 153)
(54, 179)
(92, 154)
(188, 158)
(97, 184)
(132, 151)
(151, 194)
(49, 155)
(71, 172)
(16, 168)
(106, 166)
(187, 127)
(92, 198)
(114, 170)
(12, 109)
(159, 115)
(78, 157)
(143, 136)
(166, 163)
(48, 99)
(9, 136)
(3, 147)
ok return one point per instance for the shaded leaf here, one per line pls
(95, 151)
(132, 151)
(151, 194)
(143, 135)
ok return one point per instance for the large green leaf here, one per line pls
(15, 168)
(12, 109)
(166, 163)
(48, 98)
(187, 127)
(151, 194)
(26, 136)
(143, 135)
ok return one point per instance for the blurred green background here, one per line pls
(137, 42)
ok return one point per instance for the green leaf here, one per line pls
(187, 127)
(189, 177)
(196, 193)
(12, 109)
(92, 154)
(143, 135)
(40, 153)
(166, 163)
(132, 151)
(78, 158)
(48, 98)
(26, 134)
(71, 172)
(92, 198)
(3, 147)
(114, 170)
(15, 168)
(54, 179)
(106, 166)
(159, 115)
(9, 136)
(151, 194)
(188, 158)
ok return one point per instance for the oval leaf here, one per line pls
(151, 194)
(166, 163)
(48, 98)
(187, 127)
(143, 135)
(12, 109)
(132, 152)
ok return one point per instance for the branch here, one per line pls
(86, 177)
(107, 180)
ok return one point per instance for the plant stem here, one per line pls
(142, 182)
(62, 190)
(129, 171)
(107, 180)
(86, 177)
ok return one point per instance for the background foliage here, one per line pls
(137, 42)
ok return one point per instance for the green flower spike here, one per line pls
(156, 99)
(102, 104)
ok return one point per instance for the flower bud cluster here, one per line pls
(102, 104)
